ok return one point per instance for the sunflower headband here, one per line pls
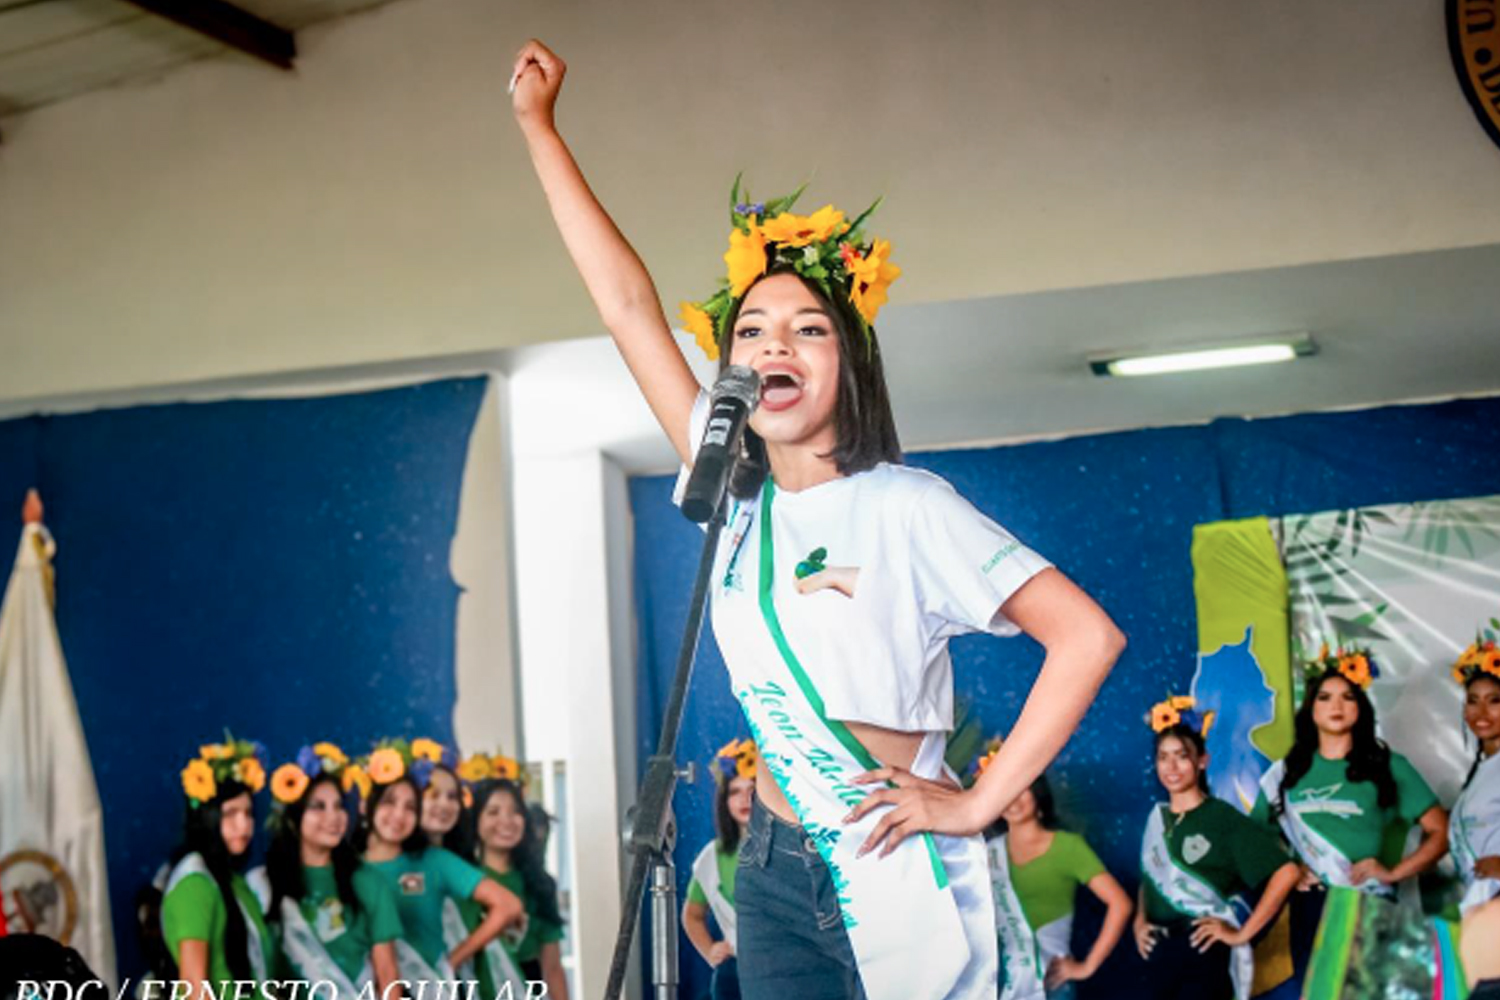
(486, 767)
(1480, 659)
(823, 247)
(233, 760)
(736, 759)
(1179, 710)
(991, 748)
(1353, 665)
(289, 782)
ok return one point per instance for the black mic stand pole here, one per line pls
(653, 833)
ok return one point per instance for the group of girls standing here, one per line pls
(404, 866)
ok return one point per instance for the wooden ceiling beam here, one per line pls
(229, 25)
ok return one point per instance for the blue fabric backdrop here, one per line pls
(278, 567)
(1115, 512)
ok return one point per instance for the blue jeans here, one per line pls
(725, 984)
(792, 944)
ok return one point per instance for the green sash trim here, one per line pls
(773, 622)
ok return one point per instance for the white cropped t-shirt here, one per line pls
(930, 567)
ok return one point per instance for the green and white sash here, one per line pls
(1024, 953)
(415, 969)
(1192, 896)
(193, 864)
(311, 961)
(934, 886)
(706, 871)
(1316, 851)
(503, 971)
(1474, 832)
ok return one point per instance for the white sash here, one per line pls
(920, 921)
(311, 960)
(706, 871)
(1316, 851)
(1194, 897)
(193, 864)
(503, 971)
(1022, 971)
(415, 969)
(1474, 832)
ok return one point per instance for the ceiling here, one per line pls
(1412, 327)
(51, 50)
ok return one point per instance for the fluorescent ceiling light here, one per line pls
(1262, 352)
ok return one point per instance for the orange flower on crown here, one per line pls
(505, 768)
(425, 749)
(1355, 669)
(249, 773)
(288, 783)
(870, 279)
(746, 258)
(386, 766)
(198, 781)
(1164, 715)
(476, 768)
(803, 230)
(330, 752)
(701, 325)
(216, 751)
(355, 777)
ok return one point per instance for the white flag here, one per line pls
(52, 876)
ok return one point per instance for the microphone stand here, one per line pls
(653, 830)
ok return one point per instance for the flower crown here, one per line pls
(736, 759)
(823, 248)
(991, 748)
(1179, 710)
(1482, 658)
(1354, 665)
(289, 782)
(485, 767)
(233, 760)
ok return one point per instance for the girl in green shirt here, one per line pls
(424, 878)
(213, 922)
(510, 853)
(338, 920)
(712, 887)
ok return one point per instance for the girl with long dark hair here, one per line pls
(1343, 799)
(1200, 857)
(1474, 833)
(338, 920)
(424, 878)
(1036, 868)
(712, 887)
(838, 582)
(510, 853)
(212, 917)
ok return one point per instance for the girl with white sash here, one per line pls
(213, 920)
(1036, 869)
(1341, 797)
(1474, 833)
(712, 886)
(1199, 857)
(425, 879)
(338, 920)
(510, 851)
(837, 585)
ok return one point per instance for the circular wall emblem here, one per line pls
(37, 895)
(1474, 41)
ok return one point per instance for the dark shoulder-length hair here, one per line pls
(864, 425)
(202, 834)
(416, 842)
(284, 858)
(457, 839)
(1046, 809)
(527, 856)
(1190, 737)
(726, 827)
(1369, 759)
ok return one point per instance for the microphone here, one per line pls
(735, 395)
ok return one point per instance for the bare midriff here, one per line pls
(888, 746)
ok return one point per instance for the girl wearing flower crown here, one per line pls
(338, 920)
(444, 798)
(1199, 857)
(1474, 834)
(712, 887)
(424, 878)
(510, 851)
(212, 916)
(838, 583)
(1341, 797)
(1036, 869)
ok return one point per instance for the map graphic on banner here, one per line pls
(1413, 583)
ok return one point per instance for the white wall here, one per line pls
(377, 204)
